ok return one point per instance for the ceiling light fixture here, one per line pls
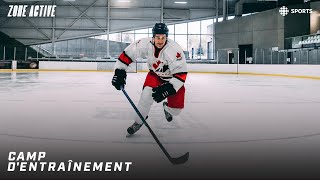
(180, 2)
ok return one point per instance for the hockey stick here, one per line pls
(178, 160)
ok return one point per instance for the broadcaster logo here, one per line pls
(285, 11)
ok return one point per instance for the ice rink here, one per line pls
(234, 126)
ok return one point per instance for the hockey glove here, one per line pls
(162, 92)
(119, 78)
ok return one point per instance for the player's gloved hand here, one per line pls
(162, 92)
(119, 78)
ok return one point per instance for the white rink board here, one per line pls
(294, 70)
(53, 65)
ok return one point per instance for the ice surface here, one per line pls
(228, 120)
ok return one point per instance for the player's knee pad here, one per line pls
(146, 96)
(145, 103)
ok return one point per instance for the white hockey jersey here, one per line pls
(169, 64)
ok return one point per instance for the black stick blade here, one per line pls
(181, 159)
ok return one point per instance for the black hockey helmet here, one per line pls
(160, 28)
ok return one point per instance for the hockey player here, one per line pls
(166, 76)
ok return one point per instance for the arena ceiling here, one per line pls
(85, 18)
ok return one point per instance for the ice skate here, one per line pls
(166, 113)
(133, 128)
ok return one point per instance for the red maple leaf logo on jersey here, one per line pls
(156, 65)
(178, 56)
